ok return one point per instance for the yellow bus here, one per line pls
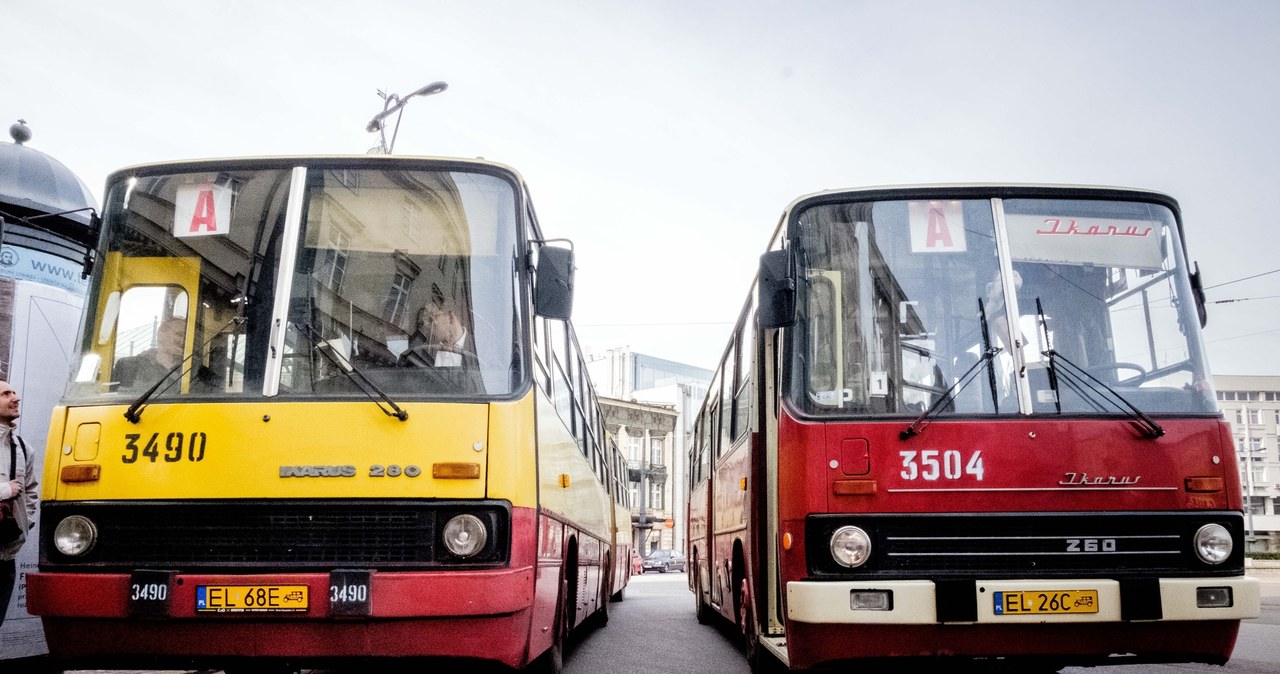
(325, 409)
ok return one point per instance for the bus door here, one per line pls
(717, 557)
(147, 299)
(765, 449)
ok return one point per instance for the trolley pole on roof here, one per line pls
(393, 103)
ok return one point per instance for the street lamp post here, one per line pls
(393, 103)
(644, 495)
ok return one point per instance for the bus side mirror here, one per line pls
(777, 302)
(1197, 291)
(553, 296)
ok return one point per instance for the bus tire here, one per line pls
(552, 660)
(758, 657)
(251, 667)
(700, 609)
(602, 613)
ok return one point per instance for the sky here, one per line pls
(666, 138)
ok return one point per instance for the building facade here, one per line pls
(1251, 405)
(636, 381)
(646, 435)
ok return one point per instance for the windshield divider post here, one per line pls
(284, 280)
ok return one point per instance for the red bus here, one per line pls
(970, 424)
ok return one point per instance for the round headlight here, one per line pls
(75, 536)
(850, 546)
(1213, 544)
(465, 535)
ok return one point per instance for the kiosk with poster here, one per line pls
(45, 231)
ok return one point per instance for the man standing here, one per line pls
(18, 490)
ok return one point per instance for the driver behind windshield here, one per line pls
(439, 339)
(150, 366)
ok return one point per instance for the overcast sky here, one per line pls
(665, 138)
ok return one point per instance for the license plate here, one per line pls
(1042, 602)
(251, 598)
(150, 592)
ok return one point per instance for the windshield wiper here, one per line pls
(1053, 369)
(134, 413)
(1076, 377)
(362, 382)
(917, 427)
(986, 345)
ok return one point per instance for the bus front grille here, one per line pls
(250, 534)
(998, 545)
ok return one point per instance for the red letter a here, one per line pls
(938, 230)
(206, 216)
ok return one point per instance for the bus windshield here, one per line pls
(318, 281)
(989, 306)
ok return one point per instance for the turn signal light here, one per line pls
(455, 471)
(853, 487)
(1203, 484)
(81, 472)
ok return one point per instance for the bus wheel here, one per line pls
(250, 667)
(700, 611)
(552, 660)
(601, 616)
(758, 658)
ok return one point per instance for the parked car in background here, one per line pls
(663, 561)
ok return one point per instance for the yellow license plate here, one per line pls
(1042, 602)
(250, 598)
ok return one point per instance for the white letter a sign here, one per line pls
(202, 210)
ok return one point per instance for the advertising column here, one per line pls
(41, 298)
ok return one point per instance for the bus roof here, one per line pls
(280, 161)
(984, 190)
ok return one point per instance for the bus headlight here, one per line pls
(850, 546)
(75, 536)
(1213, 544)
(465, 535)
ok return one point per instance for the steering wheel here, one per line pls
(1100, 370)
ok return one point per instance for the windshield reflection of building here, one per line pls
(908, 325)
(379, 247)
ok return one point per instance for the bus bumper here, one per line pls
(471, 614)
(915, 602)
(823, 626)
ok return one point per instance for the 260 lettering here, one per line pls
(173, 448)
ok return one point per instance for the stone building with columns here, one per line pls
(660, 398)
(646, 436)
